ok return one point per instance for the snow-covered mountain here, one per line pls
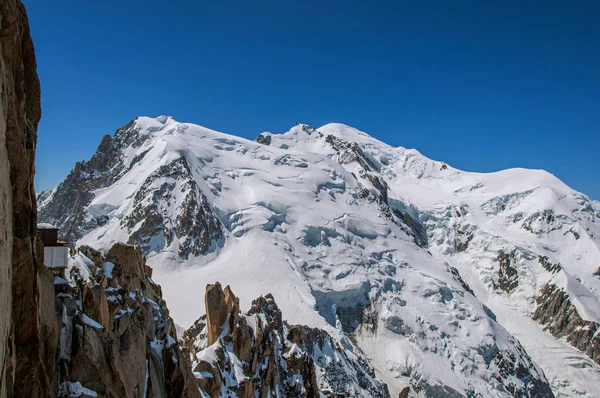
(453, 283)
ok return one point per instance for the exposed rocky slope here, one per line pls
(561, 318)
(351, 236)
(28, 325)
(258, 354)
(49, 346)
(169, 209)
(116, 338)
(513, 249)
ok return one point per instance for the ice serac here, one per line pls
(28, 325)
(117, 338)
(257, 353)
(435, 274)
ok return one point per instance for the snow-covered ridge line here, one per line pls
(418, 262)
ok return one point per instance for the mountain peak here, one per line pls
(153, 124)
(346, 132)
(357, 238)
(162, 119)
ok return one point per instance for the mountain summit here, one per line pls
(451, 282)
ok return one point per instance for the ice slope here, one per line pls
(446, 198)
(526, 210)
(509, 204)
(305, 221)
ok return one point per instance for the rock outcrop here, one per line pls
(375, 188)
(28, 325)
(73, 194)
(258, 354)
(508, 277)
(216, 312)
(168, 206)
(560, 317)
(117, 339)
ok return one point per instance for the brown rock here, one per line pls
(560, 317)
(232, 302)
(246, 389)
(242, 342)
(95, 304)
(27, 349)
(404, 393)
(216, 311)
(212, 385)
(182, 383)
(6, 243)
(129, 266)
(136, 349)
(268, 360)
(92, 254)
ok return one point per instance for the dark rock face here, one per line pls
(349, 152)
(117, 339)
(464, 237)
(460, 280)
(507, 274)
(28, 326)
(397, 325)
(545, 222)
(261, 353)
(65, 206)
(510, 368)
(437, 391)
(196, 227)
(264, 139)
(415, 228)
(560, 317)
(548, 265)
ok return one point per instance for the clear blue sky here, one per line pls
(482, 85)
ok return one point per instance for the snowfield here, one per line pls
(434, 273)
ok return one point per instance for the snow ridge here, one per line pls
(432, 271)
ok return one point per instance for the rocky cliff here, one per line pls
(257, 353)
(28, 325)
(561, 318)
(168, 211)
(102, 331)
(116, 338)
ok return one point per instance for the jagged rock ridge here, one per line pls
(116, 337)
(561, 318)
(168, 209)
(28, 325)
(257, 353)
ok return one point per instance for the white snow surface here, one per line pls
(43, 225)
(296, 227)
(76, 389)
(90, 322)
